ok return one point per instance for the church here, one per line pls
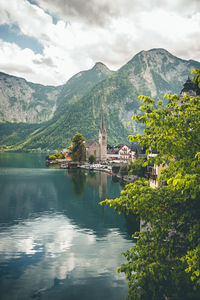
(99, 149)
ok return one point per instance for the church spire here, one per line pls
(103, 127)
(103, 138)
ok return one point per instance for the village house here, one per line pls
(67, 154)
(126, 154)
(121, 153)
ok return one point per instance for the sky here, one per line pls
(48, 41)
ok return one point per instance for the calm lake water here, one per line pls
(56, 241)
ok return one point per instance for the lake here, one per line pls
(56, 241)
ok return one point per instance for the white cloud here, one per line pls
(25, 63)
(56, 238)
(108, 31)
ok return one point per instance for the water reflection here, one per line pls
(22, 160)
(80, 178)
(52, 244)
(28, 193)
(56, 243)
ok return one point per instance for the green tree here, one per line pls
(196, 80)
(197, 76)
(165, 263)
(137, 168)
(91, 158)
(58, 155)
(78, 148)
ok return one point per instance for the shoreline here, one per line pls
(63, 164)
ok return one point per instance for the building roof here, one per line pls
(66, 150)
(110, 151)
(68, 158)
(109, 146)
(88, 143)
(122, 145)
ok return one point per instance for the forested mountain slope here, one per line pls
(154, 73)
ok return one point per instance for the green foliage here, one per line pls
(196, 80)
(15, 133)
(91, 158)
(69, 117)
(137, 168)
(86, 91)
(58, 155)
(78, 148)
(123, 168)
(78, 180)
(197, 76)
(52, 157)
(165, 264)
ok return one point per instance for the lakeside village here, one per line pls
(122, 161)
(100, 156)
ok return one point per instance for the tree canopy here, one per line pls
(137, 168)
(165, 263)
(78, 148)
(91, 158)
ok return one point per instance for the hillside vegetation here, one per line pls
(78, 105)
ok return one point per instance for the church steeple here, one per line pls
(103, 138)
(103, 127)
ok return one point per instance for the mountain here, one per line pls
(80, 84)
(18, 131)
(26, 102)
(22, 101)
(154, 73)
(157, 72)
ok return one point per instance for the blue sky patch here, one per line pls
(54, 18)
(12, 34)
(32, 2)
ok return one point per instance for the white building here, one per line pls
(121, 153)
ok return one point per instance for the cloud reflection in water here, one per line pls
(66, 253)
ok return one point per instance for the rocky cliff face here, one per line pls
(156, 72)
(152, 73)
(21, 101)
(80, 84)
(78, 102)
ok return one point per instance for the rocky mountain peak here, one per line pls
(157, 51)
(154, 55)
(99, 66)
(153, 73)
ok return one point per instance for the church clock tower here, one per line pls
(103, 138)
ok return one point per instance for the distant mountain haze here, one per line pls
(50, 116)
